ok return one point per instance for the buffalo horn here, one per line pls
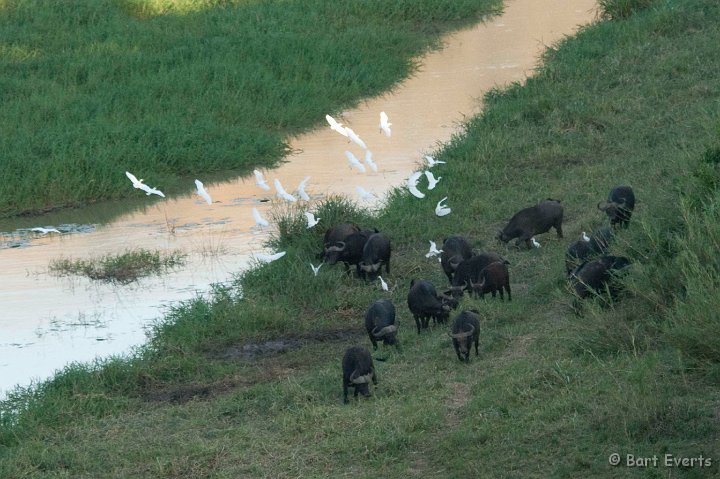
(386, 330)
(464, 334)
(360, 379)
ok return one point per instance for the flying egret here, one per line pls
(267, 258)
(433, 250)
(412, 185)
(431, 179)
(369, 161)
(259, 220)
(442, 210)
(383, 284)
(354, 138)
(301, 189)
(354, 162)
(44, 231)
(365, 194)
(585, 237)
(142, 186)
(432, 161)
(203, 192)
(334, 125)
(282, 193)
(311, 220)
(316, 268)
(260, 180)
(535, 243)
(384, 125)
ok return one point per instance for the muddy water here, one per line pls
(47, 322)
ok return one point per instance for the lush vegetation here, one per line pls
(170, 89)
(119, 268)
(552, 394)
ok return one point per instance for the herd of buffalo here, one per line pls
(590, 271)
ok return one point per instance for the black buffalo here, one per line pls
(455, 250)
(619, 206)
(425, 303)
(532, 221)
(380, 323)
(358, 371)
(465, 331)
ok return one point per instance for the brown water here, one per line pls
(47, 322)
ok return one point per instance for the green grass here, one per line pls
(552, 394)
(119, 268)
(173, 89)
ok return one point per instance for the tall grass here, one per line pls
(165, 89)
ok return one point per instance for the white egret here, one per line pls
(316, 268)
(432, 161)
(142, 186)
(354, 138)
(442, 210)
(282, 193)
(433, 250)
(259, 220)
(534, 243)
(267, 258)
(431, 179)
(383, 284)
(311, 220)
(203, 192)
(354, 162)
(301, 189)
(260, 180)
(365, 194)
(384, 125)
(412, 185)
(334, 125)
(369, 161)
(44, 231)
(585, 237)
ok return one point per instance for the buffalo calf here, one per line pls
(358, 371)
(465, 331)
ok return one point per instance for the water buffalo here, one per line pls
(335, 234)
(349, 251)
(619, 206)
(465, 331)
(380, 323)
(593, 277)
(358, 371)
(532, 221)
(493, 278)
(580, 251)
(468, 271)
(425, 303)
(455, 250)
(376, 252)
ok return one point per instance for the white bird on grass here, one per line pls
(268, 258)
(365, 194)
(311, 220)
(316, 268)
(369, 161)
(432, 161)
(585, 237)
(412, 185)
(431, 179)
(259, 220)
(142, 186)
(354, 138)
(534, 243)
(384, 125)
(203, 192)
(442, 210)
(433, 250)
(260, 180)
(383, 284)
(301, 189)
(282, 193)
(354, 162)
(44, 231)
(334, 125)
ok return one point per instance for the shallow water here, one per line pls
(47, 322)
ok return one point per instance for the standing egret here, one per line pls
(260, 180)
(535, 243)
(203, 192)
(412, 185)
(431, 179)
(282, 193)
(384, 125)
(585, 237)
(354, 162)
(442, 210)
(383, 284)
(259, 220)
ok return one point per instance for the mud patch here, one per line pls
(273, 347)
(188, 392)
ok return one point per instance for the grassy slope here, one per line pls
(91, 88)
(552, 394)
